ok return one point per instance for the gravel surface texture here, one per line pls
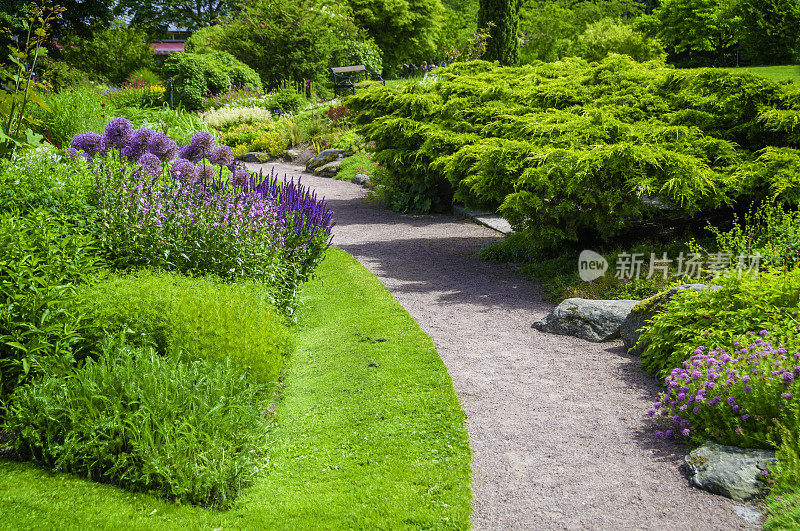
(557, 425)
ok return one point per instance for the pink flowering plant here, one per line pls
(748, 397)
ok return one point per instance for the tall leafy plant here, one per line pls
(20, 87)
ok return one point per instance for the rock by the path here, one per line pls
(328, 170)
(592, 320)
(256, 157)
(324, 157)
(750, 514)
(291, 155)
(730, 471)
(630, 329)
(361, 178)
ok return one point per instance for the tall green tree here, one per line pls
(188, 14)
(771, 30)
(404, 30)
(700, 26)
(503, 43)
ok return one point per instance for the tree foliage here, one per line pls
(112, 53)
(288, 39)
(503, 15)
(158, 14)
(693, 26)
(771, 34)
(404, 30)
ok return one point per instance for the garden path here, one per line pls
(556, 424)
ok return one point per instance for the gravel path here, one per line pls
(556, 424)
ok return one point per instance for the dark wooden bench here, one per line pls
(350, 77)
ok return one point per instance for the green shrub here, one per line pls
(571, 152)
(192, 431)
(73, 111)
(44, 179)
(42, 260)
(196, 75)
(62, 76)
(769, 231)
(357, 163)
(112, 53)
(354, 52)
(608, 36)
(717, 319)
(143, 97)
(287, 100)
(192, 318)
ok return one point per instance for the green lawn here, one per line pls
(777, 73)
(370, 434)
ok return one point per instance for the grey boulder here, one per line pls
(256, 157)
(328, 170)
(361, 178)
(592, 320)
(642, 313)
(324, 157)
(728, 470)
(290, 155)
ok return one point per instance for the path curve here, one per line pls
(556, 424)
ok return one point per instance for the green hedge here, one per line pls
(192, 318)
(570, 148)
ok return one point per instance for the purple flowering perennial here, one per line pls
(162, 147)
(222, 156)
(183, 170)
(90, 143)
(150, 164)
(117, 133)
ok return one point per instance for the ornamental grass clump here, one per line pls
(748, 397)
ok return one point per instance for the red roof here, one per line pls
(166, 48)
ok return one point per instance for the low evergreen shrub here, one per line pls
(571, 151)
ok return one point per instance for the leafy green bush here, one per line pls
(191, 431)
(42, 260)
(769, 231)
(355, 52)
(112, 53)
(287, 100)
(196, 75)
(192, 318)
(570, 151)
(72, 111)
(608, 36)
(357, 163)
(43, 179)
(718, 319)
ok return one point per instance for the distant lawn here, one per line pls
(370, 434)
(777, 73)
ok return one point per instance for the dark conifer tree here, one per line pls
(503, 43)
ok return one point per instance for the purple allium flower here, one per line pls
(90, 143)
(73, 153)
(205, 173)
(162, 147)
(788, 377)
(221, 155)
(117, 133)
(137, 144)
(150, 164)
(203, 142)
(240, 177)
(183, 170)
(190, 152)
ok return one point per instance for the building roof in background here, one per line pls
(166, 48)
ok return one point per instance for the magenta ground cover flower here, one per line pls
(754, 390)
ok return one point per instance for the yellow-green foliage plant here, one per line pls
(194, 318)
(569, 149)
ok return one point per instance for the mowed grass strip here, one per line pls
(369, 434)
